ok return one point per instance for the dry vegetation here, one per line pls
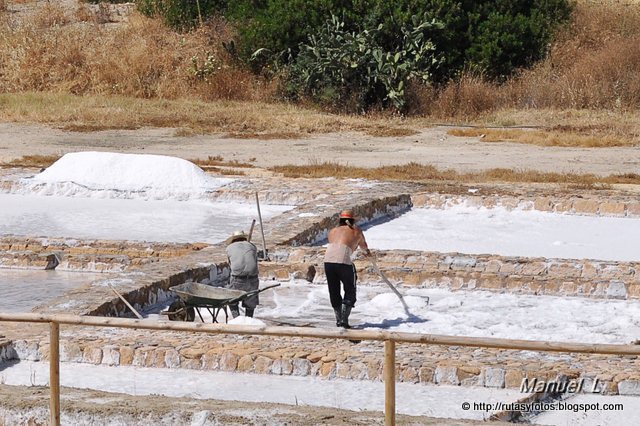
(32, 161)
(415, 172)
(75, 69)
(568, 136)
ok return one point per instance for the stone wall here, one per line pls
(592, 206)
(86, 255)
(456, 271)
(331, 359)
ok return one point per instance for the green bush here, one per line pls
(494, 37)
(182, 14)
(353, 70)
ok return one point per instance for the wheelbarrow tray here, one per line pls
(201, 295)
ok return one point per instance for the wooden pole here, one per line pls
(54, 373)
(389, 383)
(125, 302)
(327, 333)
(264, 244)
(253, 224)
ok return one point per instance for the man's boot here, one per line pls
(346, 311)
(235, 310)
(248, 312)
(338, 313)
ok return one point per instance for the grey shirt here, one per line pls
(243, 259)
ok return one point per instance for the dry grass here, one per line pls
(415, 172)
(33, 161)
(217, 160)
(59, 49)
(263, 136)
(189, 116)
(566, 136)
(65, 67)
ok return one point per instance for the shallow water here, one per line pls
(22, 290)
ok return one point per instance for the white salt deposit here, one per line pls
(459, 313)
(127, 219)
(413, 399)
(242, 320)
(129, 173)
(473, 230)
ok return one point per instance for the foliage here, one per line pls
(494, 37)
(337, 65)
(182, 14)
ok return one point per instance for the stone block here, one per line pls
(328, 369)
(245, 363)
(228, 361)
(110, 355)
(534, 268)
(564, 270)
(301, 367)
(70, 352)
(126, 355)
(172, 358)
(141, 356)
(342, 370)
(262, 364)
(543, 204)
(565, 206)
(493, 377)
(612, 209)
(92, 355)
(493, 266)
(633, 209)
(617, 290)
(446, 375)
(629, 387)
(586, 206)
(409, 375)
(513, 378)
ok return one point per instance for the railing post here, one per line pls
(54, 373)
(389, 383)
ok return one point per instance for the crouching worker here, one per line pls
(338, 267)
(243, 261)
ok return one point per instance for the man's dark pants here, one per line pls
(341, 273)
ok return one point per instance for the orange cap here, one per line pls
(347, 214)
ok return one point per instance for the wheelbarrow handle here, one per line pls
(251, 293)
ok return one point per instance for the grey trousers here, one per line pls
(246, 284)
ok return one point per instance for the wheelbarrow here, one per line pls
(194, 296)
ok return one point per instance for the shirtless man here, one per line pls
(343, 241)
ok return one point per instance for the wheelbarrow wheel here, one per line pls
(178, 311)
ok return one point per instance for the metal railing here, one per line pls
(390, 338)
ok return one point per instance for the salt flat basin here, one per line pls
(127, 219)
(530, 233)
(22, 289)
(455, 313)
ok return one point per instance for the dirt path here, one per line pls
(29, 405)
(431, 146)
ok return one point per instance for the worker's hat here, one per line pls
(237, 235)
(347, 214)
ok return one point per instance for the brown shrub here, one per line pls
(592, 64)
(59, 50)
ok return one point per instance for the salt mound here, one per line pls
(242, 320)
(129, 172)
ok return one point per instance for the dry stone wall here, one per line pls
(591, 206)
(458, 271)
(331, 359)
